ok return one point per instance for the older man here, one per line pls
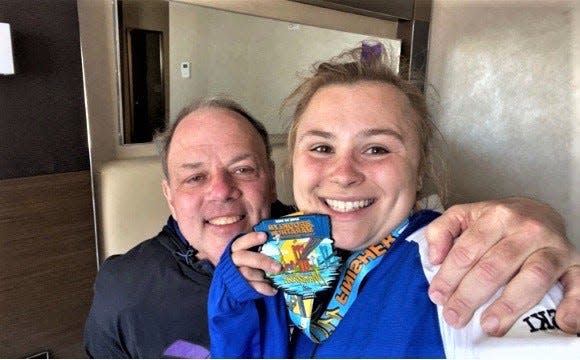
(151, 301)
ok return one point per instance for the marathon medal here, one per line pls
(304, 274)
(302, 245)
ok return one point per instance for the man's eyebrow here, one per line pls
(242, 157)
(200, 164)
(191, 166)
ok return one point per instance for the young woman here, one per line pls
(360, 138)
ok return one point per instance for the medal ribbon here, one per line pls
(358, 265)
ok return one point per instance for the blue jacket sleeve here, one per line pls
(242, 322)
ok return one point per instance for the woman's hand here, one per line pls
(252, 264)
(515, 241)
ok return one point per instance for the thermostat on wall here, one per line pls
(185, 69)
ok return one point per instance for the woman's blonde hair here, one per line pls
(370, 62)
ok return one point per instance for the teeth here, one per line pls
(346, 206)
(225, 220)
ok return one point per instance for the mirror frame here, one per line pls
(413, 33)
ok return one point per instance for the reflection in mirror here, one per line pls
(255, 61)
(146, 93)
(142, 31)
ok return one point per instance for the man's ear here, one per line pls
(168, 197)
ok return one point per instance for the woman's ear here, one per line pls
(419, 182)
(273, 191)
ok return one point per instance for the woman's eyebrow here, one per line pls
(363, 133)
(382, 131)
(316, 133)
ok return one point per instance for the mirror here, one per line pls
(146, 95)
(142, 30)
(254, 60)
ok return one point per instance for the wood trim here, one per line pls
(47, 264)
(414, 35)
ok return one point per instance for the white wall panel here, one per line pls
(507, 105)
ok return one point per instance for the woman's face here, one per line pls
(356, 159)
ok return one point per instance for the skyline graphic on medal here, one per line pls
(303, 246)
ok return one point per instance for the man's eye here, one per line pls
(196, 178)
(377, 150)
(244, 170)
(321, 149)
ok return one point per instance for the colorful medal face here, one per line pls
(302, 244)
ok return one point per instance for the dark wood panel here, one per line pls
(43, 127)
(47, 264)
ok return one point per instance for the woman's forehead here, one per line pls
(361, 105)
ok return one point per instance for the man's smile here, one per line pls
(225, 220)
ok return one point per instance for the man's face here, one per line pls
(220, 179)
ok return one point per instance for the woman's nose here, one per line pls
(346, 171)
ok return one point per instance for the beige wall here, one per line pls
(574, 175)
(97, 44)
(508, 107)
(507, 73)
(99, 67)
(254, 60)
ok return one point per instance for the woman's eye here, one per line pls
(377, 150)
(321, 149)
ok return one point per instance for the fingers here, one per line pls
(257, 279)
(253, 265)
(480, 230)
(495, 240)
(248, 241)
(242, 256)
(482, 281)
(568, 312)
(534, 280)
(442, 231)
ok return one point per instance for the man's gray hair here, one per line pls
(163, 139)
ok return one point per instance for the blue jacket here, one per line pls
(391, 317)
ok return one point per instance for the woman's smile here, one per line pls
(347, 206)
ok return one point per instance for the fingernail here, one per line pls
(437, 297)
(451, 317)
(570, 321)
(490, 324)
(275, 268)
(433, 256)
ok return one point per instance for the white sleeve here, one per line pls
(534, 335)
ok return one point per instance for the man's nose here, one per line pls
(345, 171)
(223, 187)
